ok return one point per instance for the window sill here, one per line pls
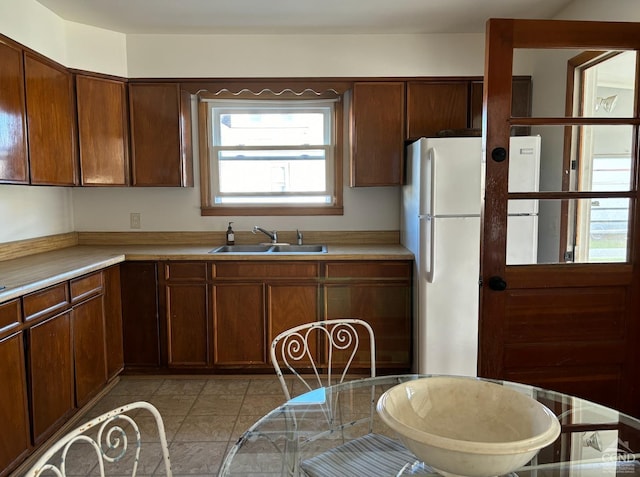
(270, 210)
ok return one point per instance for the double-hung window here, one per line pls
(275, 156)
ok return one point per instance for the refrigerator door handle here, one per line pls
(429, 255)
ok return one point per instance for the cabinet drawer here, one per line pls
(9, 315)
(372, 270)
(86, 286)
(46, 302)
(185, 271)
(265, 270)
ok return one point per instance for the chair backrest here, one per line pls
(297, 348)
(108, 438)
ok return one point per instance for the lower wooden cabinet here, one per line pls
(50, 358)
(14, 441)
(211, 316)
(185, 306)
(380, 294)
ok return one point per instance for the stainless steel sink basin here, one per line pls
(268, 248)
(299, 249)
(241, 249)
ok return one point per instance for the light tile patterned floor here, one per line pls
(203, 418)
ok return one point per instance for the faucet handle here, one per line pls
(299, 236)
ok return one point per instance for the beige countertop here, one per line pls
(27, 274)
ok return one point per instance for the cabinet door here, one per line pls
(160, 135)
(290, 305)
(51, 375)
(51, 123)
(386, 307)
(14, 441)
(520, 103)
(102, 131)
(140, 329)
(433, 107)
(113, 321)
(239, 327)
(377, 133)
(188, 327)
(14, 166)
(89, 348)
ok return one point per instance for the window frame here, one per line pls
(268, 90)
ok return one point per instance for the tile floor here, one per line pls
(203, 418)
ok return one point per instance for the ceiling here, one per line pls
(297, 16)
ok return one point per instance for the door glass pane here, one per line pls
(599, 83)
(572, 158)
(567, 231)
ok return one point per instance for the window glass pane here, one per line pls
(572, 158)
(567, 231)
(272, 171)
(601, 84)
(272, 128)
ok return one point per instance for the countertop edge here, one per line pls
(24, 275)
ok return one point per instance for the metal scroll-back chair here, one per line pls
(112, 439)
(295, 350)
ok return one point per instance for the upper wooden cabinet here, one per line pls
(51, 122)
(14, 165)
(161, 154)
(520, 103)
(103, 131)
(432, 107)
(377, 133)
(456, 104)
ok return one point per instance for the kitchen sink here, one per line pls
(268, 248)
(299, 249)
(241, 249)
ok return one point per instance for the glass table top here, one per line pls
(595, 441)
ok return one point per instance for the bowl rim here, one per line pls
(529, 444)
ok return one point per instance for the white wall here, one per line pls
(27, 212)
(304, 55)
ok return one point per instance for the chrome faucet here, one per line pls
(272, 235)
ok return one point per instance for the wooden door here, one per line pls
(102, 131)
(14, 165)
(51, 123)
(568, 326)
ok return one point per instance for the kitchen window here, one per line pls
(271, 154)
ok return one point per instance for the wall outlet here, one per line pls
(134, 220)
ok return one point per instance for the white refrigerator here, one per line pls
(440, 225)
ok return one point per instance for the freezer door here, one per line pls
(524, 172)
(451, 177)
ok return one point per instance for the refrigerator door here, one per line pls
(524, 172)
(451, 177)
(447, 326)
